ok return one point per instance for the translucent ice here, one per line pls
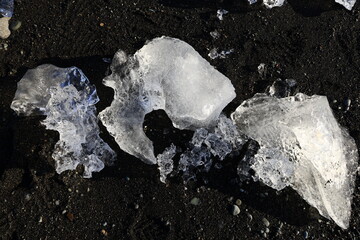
(302, 146)
(348, 4)
(165, 162)
(68, 100)
(166, 74)
(220, 14)
(273, 3)
(252, 1)
(213, 54)
(205, 145)
(6, 8)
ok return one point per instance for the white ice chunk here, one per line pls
(220, 14)
(252, 1)
(166, 74)
(302, 146)
(165, 162)
(348, 4)
(273, 3)
(68, 100)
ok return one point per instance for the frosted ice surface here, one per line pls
(6, 8)
(68, 100)
(302, 146)
(166, 74)
(165, 162)
(220, 14)
(348, 4)
(220, 142)
(273, 3)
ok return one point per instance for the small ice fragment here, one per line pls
(167, 74)
(262, 70)
(273, 3)
(6, 8)
(252, 1)
(220, 142)
(347, 104)
(302, 146)
(215, 54)
(220, 13)
(165, 162)
(68, 100)
(348, 4)
(282, 88)
(215, 34)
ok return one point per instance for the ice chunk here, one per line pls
(68, 100)
(220, 142)
(6, 8)
(165, 162)
(215, 34)
(302, 146)
(215, 54)
(166, 74)
(348, 4)
(220, 14)
(252, 1)
(273, 3)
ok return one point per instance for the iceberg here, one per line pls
(302, 146)
(166, 73)
(67, 99)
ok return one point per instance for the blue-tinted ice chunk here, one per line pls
(6, 8)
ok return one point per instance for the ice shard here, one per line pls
(302, 146)
(68, 100)
(166, 73)
(273, 3)
(165, 162)
(348, 4)
(6, 8)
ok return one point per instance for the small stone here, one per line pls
(195, 201)
(4, 27)
(41, 220)
(267, 230)
(266, 222)
(57, 202)
(238, 202)
(70, 216)
(306, 234)
(136, 206)
(235, 210)
(104, 232)
(15, 25)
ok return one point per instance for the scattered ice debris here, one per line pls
(220, 14)
(166, 74)
(273, 3)
(6, 8)
(165, 162)
(206, 145)
(215, 34)
(68, 100)
(302, 146)
(348, 4)
(215, 54)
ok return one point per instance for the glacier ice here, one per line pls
(348, 4)
(6, 8)
(166, 73)
(68, 100)
(302, 146)
(165, 162)
(206, 145)
(273, 3)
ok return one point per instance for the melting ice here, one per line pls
(167, 74)
(6, 8)
(68, 100)
(302, 146)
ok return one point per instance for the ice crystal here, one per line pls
(68, 100)
(302, 146)
(166, 74)
(165, 162)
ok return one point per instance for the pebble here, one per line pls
(250, 217)
(235, 210)
(195, 201)
(266, 222)
(136, 206)
(15, 25)
(4, 27)
(57, 202)
(306, 234)
(238, 202)
(104, 232)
